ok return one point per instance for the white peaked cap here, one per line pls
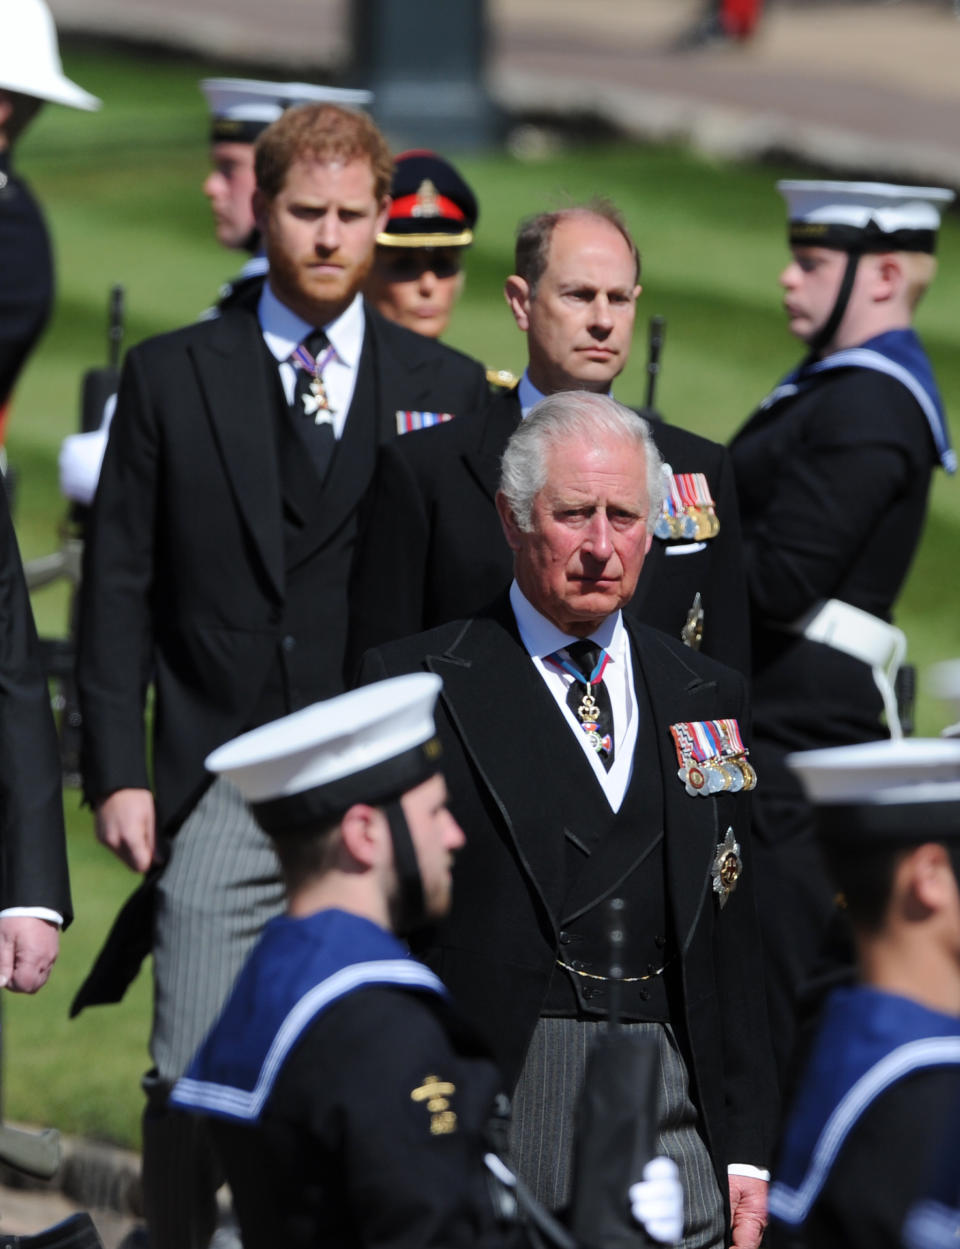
(911, 771)
(332, 740)
(250, 100)
(30, 57)
(856, 204)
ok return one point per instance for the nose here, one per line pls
(328, 232)
(456, 838)
(428, 281)
(212, 184)
(597, 541)
(790, 275)
(601, 317)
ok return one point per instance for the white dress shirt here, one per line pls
(541, 638)
(283, 330)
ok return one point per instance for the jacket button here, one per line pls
(644, 995)
(659, 942)
(565, 938)
(588, 992)
(288, 643)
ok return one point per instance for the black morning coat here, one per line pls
(33, 852)
(431, 548)
(206, 521)
(517, 778)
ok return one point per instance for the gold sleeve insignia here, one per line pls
(436, 1094)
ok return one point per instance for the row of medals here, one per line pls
(721, 774)
(697, 523)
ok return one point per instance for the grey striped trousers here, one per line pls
(221, 885)
(541, 1137)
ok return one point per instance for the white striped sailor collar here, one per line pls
(283, 329)
(541, 637)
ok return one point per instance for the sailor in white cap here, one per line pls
(833, 472)
(350, 1105)
(30, 74)
(882, 1078)
(241, 109)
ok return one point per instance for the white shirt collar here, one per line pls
(283, 329)
(541, 637)
(528, 394)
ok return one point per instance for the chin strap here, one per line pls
(824, 336)
(408, 906)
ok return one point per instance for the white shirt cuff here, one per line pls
(744, 1168)
(32, 912)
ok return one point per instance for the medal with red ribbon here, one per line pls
(712, 757)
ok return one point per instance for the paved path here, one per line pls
(864, 86)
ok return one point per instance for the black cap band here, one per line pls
(236, 130)
(868, 238)
(313, 808)
(911, 823)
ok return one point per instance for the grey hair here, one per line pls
(571, 414)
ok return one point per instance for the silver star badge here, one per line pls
(727, 867)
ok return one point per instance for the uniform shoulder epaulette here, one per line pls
(502, 379)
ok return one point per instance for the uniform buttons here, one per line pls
(588, 992)
(565, 938)
(659, 942)
(288, 643)
(577, 964)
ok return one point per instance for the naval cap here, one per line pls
(905, 791)
(30, 57)
(369, 745)
(432, 205)
(864, 216)
(242, 108)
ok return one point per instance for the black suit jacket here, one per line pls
(431, 548)
(186, 563)
(503, 737)
(33, 854)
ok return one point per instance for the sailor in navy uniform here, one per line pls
(350, 1104)
(883, 1075)
(833, 472)
(241, 109)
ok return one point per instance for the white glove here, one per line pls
(657, 1201)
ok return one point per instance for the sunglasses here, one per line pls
(406, 264)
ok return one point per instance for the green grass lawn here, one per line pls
(121, 190)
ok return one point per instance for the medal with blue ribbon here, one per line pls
(587, 710)
(712, 757)
(315, 400)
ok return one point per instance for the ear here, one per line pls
(363, 833)
(383, 213)
(511, 530)
(516, 291)
(932, 880)
(261, 210)
(6, 108)
(888, 278)
(637, 292)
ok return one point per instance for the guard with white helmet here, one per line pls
(30, 74)
(833, 473)
(882, 1080)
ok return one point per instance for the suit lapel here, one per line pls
(678, 693)
(519, 742)
(499, 421)
(239, 397)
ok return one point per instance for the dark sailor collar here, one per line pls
(298, 969)
(899, 354)
(868, 1041)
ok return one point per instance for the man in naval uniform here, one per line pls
(351, 1105)
(590, 756)
(217, 564)
(30, 75)
(833, 473)
(241, 109)
(431, 547)
(882, 1081)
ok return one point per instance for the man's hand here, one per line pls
(126, 822)
(748, 1210)
(28, 950)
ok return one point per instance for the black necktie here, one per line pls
(310, 408)
(589, 699)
